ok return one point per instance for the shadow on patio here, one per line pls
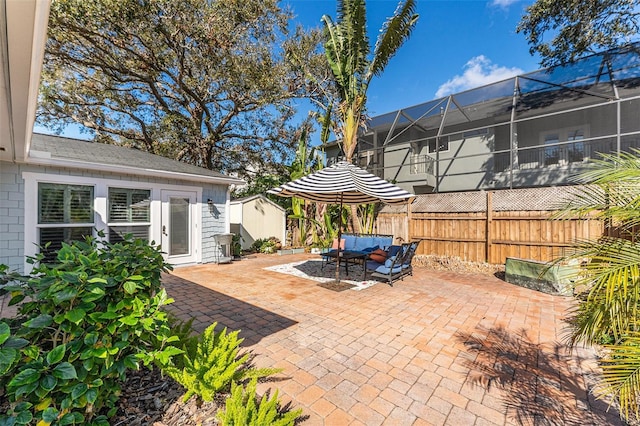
(540, 385)
(208, 306)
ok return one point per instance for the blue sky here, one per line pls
(456, 45)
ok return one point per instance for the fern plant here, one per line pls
(242, 408)
(212, 364)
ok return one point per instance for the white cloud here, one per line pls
(479, 71)
(503, 3)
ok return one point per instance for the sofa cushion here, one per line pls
(386, 270)
(393, 250)
(334, 245)
(378, 255)
(350, 242)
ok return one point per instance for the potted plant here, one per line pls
(236, 247)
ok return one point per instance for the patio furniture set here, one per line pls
(374, 253)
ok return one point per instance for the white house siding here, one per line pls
(214, 220)
(11, 217)
(12, 207)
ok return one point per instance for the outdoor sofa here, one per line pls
(362, 244)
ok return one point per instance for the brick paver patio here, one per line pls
(435, 349)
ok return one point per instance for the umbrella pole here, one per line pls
(339, 238)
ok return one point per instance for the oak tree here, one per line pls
(203, 81)
(561, 31)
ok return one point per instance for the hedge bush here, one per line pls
(83, 321)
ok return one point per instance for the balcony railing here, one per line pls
(421, 164)
(558, 155)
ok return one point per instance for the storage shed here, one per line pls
(256, 217)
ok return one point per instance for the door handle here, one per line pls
(164, 230)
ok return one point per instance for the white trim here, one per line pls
(254, 197)
(563, 133)
(100, 194)
(227, 216)
(41, 19)
(137, 171)
(284, 229)
(195, 219)
(563, 138)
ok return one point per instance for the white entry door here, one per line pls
(179, 227)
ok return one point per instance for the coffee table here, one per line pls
(346, 258)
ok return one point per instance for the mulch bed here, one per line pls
(457, 265)
(149, 399)
(336, 285)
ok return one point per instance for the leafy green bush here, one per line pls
(236, 245)
(211, 364)
(83, 321)
(242, 408)
(266, 245)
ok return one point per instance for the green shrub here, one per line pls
(236, 245)
(211, 364)
(266, 245)
(242, 408)
(83, 321)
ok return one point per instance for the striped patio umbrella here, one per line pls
(343, 183)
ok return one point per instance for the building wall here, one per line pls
(12, 207)
(215, 219)
(473, 160)
(259, 219)
(11, 217)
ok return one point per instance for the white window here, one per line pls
(129, 213)
(65, 214)
(65, 208)
(557, 150)
(442, 147)
(576, 151)
(551, 150)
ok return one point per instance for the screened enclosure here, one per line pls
(535, 129)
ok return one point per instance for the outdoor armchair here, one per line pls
(397, 264)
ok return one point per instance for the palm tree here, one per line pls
(608, 310)
(353, 66)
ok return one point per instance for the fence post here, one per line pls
(409, 221)
(488, 228)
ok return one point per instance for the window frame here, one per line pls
(100, 207)
(445, 141)
(112, 225)
(67, 223)
(563, 141)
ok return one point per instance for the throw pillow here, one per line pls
(334, 246)
(378, 255)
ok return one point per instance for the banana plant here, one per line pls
(353, 65)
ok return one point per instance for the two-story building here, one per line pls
(535, 129)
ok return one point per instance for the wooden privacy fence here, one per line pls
(489, 226)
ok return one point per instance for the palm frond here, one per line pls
(326, 124)
(613, 193)
(348, 48)
(395, 31)
(621, 374)
(612, 276)
(358, 37)
(335, 52)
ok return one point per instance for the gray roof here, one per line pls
(62, 148)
